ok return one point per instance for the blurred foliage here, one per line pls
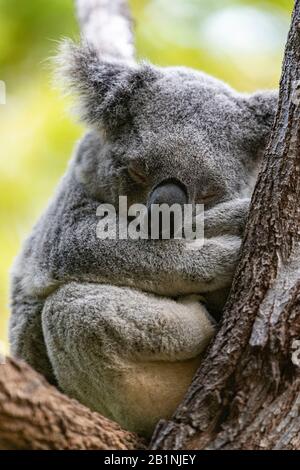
(241, 42)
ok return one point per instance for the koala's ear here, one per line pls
(103, 88)
(258, 114)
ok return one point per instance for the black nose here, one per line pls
(168, 192)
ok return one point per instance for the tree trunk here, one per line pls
(246, 393)
(36, 416)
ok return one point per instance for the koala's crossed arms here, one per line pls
(118, 324)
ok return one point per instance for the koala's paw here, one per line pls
(196, 244)
(197, 303)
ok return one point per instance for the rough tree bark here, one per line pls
(36, 416)
(246, 393)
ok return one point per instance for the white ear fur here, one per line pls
(94, 82)
(104, 88)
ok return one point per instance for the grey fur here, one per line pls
(88, 313)
(98, 336)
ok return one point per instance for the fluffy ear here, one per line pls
(103, 88)
(259, 110)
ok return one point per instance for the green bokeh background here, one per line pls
(241, 42)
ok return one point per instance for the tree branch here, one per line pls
(36, 416)
(107, 26)
(246, 393)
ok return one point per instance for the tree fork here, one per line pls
(246, 392)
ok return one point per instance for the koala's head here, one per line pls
(165, 128)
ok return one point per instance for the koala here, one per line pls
(122, 325)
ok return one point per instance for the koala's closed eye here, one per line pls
(206, 197)
(137, 172)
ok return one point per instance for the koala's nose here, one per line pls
(168, 192)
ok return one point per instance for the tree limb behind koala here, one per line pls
(36, 416)
(107, 26)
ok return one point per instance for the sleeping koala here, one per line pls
(115, 323)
